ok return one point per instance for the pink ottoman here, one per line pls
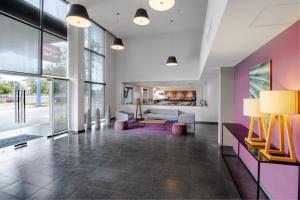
(121, 125)
(179, 129)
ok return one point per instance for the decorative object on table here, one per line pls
(252, 109)
(138, 110)
(153, 121)
(97, 119)
(179, 129)
(88, 120)
(78, 16)
(121, 125)
(107, 115)
(279, 104)
(260, 78)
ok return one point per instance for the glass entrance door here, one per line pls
(24, 106)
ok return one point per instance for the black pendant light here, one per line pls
(141, 17)
(78, 16)
(117, 44)
(172, 61)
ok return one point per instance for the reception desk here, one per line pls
(270, 179)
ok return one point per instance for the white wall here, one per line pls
(214, 15)
(226, 101)
(110, 75)
(144, 58)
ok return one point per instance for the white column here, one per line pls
(76, 75)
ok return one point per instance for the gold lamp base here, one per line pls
(284, 129)
(256, 142)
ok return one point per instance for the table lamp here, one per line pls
(279, 104)
(137, 96)
(252, 109)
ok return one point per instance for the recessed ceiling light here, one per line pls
(78, 16)
(161, 5)
(141, 17)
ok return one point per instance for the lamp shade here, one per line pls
(117, 44)
(141, 17)
(78, 16)
(279, 102)
(252, 108)
(161, 5)
(172, 61)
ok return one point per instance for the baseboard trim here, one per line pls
(76, 132)
(203, 122)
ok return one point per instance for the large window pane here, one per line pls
(54, 56)
(87, 65)
(19, 46)
(60, 105)
(94, 39)
(56, 8)
(97, 68)
(97, 100)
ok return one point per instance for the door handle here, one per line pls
(16, 107)
(18, 98)
(24, 106)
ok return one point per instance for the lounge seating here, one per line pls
(187, 118)
(169, 115)
(179, 129)
(122, 115)
(121, 125)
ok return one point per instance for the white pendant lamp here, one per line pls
(141, 17)
(78, 16)
(161, 5)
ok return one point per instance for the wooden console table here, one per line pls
(274, 180)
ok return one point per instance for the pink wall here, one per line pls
(284, 51)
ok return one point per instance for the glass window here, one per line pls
(56, 8)
(94, 39)
(60, 105)
(94, 70)
(19, 46)
(55, 52)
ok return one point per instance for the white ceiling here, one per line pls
(187, 15)
(248, 25)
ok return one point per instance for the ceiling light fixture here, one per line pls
(78, 16)
(161, 5)
(141, 17)
(172, 61)
(117, 44)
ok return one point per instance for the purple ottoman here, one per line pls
(179, 129)
(121, 125)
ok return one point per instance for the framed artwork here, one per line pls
(260, 78)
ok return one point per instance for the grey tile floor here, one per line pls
(118, 165)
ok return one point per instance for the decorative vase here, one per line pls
(97, 118)
(107, 115)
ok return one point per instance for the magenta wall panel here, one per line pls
(284, 51)
(249, 161)
(279, 181)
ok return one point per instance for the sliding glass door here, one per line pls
(25, 106)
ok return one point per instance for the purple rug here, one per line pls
(163, 129)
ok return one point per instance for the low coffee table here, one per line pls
(153, 121)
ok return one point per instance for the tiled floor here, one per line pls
(118, 165)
